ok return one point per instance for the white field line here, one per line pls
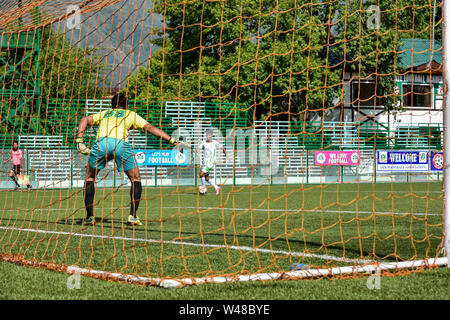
(310, 210)
(204, 245)
(237, 209)
(56, 194)
(70, 196)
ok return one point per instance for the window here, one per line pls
(366, 94)
(417, 95)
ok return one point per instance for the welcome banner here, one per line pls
(402, 161)
(409, 161)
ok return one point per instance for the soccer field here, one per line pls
(244, 230)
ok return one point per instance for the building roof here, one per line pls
(411, 53)
(417, 52)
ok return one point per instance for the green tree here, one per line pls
(68, 71)
(267, 54)
(285, 58)
(63, 71)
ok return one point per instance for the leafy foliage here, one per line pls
(61, 70)
(278, 56)
(269, 55)
(68, 71)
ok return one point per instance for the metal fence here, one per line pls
(259, 152)
(264, 154)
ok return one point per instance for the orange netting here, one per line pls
(326, 122)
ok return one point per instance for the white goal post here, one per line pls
(446, 111)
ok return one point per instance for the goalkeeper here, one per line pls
(112, 143)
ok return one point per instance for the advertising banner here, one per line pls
(436, 161)
(160, 158)
(402, 161)
(337, 158)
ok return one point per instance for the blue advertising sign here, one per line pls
(436, 161)
(160, 157)
(402, 161)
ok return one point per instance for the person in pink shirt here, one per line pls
(16, 157)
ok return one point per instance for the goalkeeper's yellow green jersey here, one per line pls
(115, 123)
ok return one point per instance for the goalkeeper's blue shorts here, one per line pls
(106, 149)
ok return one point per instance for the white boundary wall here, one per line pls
(65, 168)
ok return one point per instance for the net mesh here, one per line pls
(329, 114)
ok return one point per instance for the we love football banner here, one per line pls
(337, 158)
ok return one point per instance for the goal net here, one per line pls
(328, 118)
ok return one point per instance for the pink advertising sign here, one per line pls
(337, 158)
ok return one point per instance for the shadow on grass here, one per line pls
(244, 240)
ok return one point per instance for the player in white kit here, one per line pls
(210, 148)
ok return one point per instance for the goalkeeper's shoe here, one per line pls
(134, 221)
(89, 221)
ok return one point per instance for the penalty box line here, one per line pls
(308, 210)
(181, 243)
(241, 209)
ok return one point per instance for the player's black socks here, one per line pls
(135, 194)
(89, 193)
(13, 178)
